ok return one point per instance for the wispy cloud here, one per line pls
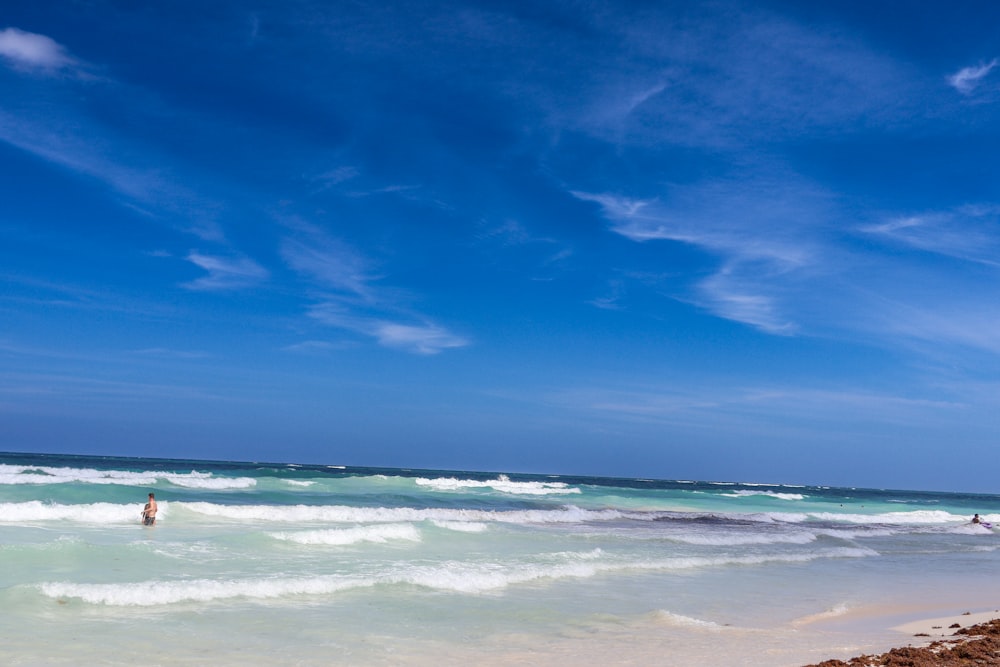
(969, 233)
(63, 145)
(967, 79)
(724, 81)
(730, 295)
(754, 220)
(423, 339)
(54, 294)
(88, 148)
(402, 190)
(349, 296)
(59, 126)
(625, 210)
(611, 300)
(785, 263)
(225, 273)
(330, 263)
(312, 347)
(944, 322)
(548, 256)
(333, 177)
(762, 233)
(420, 338)
(31, 51)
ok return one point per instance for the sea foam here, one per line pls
(664, 617)
(447, 576)
(771, 494)
(15, 474)
(502, 484)
(461, 526)
(346, 514)
(103, 513)
(345, 536)
(152, 593)
(725, 538)
(899, 518)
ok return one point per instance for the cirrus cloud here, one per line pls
(967, 79)
(31, 51)
(225, 273)
(422, 339)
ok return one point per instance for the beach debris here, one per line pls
(976, 646)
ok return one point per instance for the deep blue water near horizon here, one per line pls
(285, 563)
(270, 468)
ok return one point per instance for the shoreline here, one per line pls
(947, 626)
(967, 638)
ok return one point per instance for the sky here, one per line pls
(725, 241)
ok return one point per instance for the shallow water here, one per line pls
(299, 564)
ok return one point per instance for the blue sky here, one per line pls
(726, 241)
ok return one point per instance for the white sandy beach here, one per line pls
(945, 626)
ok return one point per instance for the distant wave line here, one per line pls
(450, 577)
(502, 483)
(13, 475)
(101, 512)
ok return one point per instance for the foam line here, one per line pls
(346, 536)
(454, 577)
(502, 484)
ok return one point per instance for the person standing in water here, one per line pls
(149, 512)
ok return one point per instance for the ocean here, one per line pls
(287, 564)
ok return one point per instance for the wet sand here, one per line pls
(965, 640)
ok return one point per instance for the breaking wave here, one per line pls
(452, 577)
(15, 474)
(346, 536)
(502, 484)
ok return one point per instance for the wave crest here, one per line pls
(35, 510)
(346, 536)
(16, 474)
(449, 576)
(502, 484)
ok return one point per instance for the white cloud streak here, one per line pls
(31, 51)
(225, 273)
(968, 233)
(350, 299)
(786, 263)
(91, 150)
(422, 339)
(330, 263)
(967, 79)
(64, 147)
(760, 240)
(942, 311)
(725, 81)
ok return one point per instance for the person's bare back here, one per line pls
(149, 512)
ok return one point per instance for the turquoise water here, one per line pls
(306, 564)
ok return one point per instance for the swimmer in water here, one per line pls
(149, 512)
